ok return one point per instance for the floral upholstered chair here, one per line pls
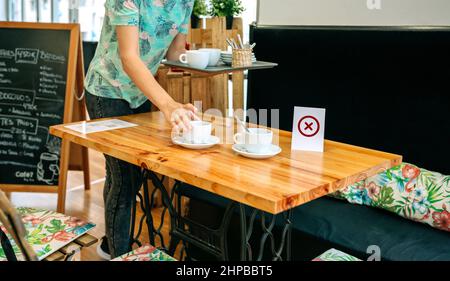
(145, 253)
(335, 255)
(408, 191)
(40, 232)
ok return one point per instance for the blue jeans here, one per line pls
(123, 179)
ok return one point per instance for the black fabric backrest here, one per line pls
(386, 88)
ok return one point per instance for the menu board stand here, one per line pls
(41, 76)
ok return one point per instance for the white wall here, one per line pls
(249, 16)
(354, 12)
(3, 10)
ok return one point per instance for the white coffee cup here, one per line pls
(258, 140)
(214, 55)
(200, 132)
(195, 59)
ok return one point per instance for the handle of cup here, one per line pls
(183, 58)
(237, 137)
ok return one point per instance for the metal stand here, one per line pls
(213, 241)
(267, 229)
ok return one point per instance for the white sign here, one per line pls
(308, 129)
(100, 126)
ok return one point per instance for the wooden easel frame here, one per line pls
(74, 83)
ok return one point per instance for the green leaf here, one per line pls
(435, 194)
(446, 181)
(436, 209)
(222, 8)
(408, 212)
(200, 8)
(36, 240)
(36, 231)
(426, 177)
(15, 249)
(385, 199)
(389, 174)
(47, 249)
(55, 226)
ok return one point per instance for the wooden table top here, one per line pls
(274, 185)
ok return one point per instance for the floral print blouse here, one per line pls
(159, 21)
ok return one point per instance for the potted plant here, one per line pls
(198, 10)
(226, 8)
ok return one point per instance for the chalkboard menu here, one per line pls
(33, 78)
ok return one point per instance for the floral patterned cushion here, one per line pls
(408, 191)
(335, 255)
(47, 231)
(145, 253)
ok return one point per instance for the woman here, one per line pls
(136, 36)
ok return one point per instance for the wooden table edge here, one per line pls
(270, 206)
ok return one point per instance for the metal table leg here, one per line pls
(147, 201)
(213, 241)
(182, 229)
(284, 244)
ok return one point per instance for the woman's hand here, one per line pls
(180, 115)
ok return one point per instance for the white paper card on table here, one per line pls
(308, 129)
(100, 126)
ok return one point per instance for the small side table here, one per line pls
(220, 70)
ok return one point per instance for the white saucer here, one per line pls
(181, 142)
(240, 149)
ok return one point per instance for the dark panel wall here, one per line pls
(89, 49)
(383, 88)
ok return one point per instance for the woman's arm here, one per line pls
(178, 114)
(177, 47)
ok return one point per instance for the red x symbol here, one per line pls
(308, 121)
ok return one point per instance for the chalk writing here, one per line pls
(33, 72)
(27, 55)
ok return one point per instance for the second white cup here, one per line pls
(258, 140)
(214, 55)
(195, 59)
